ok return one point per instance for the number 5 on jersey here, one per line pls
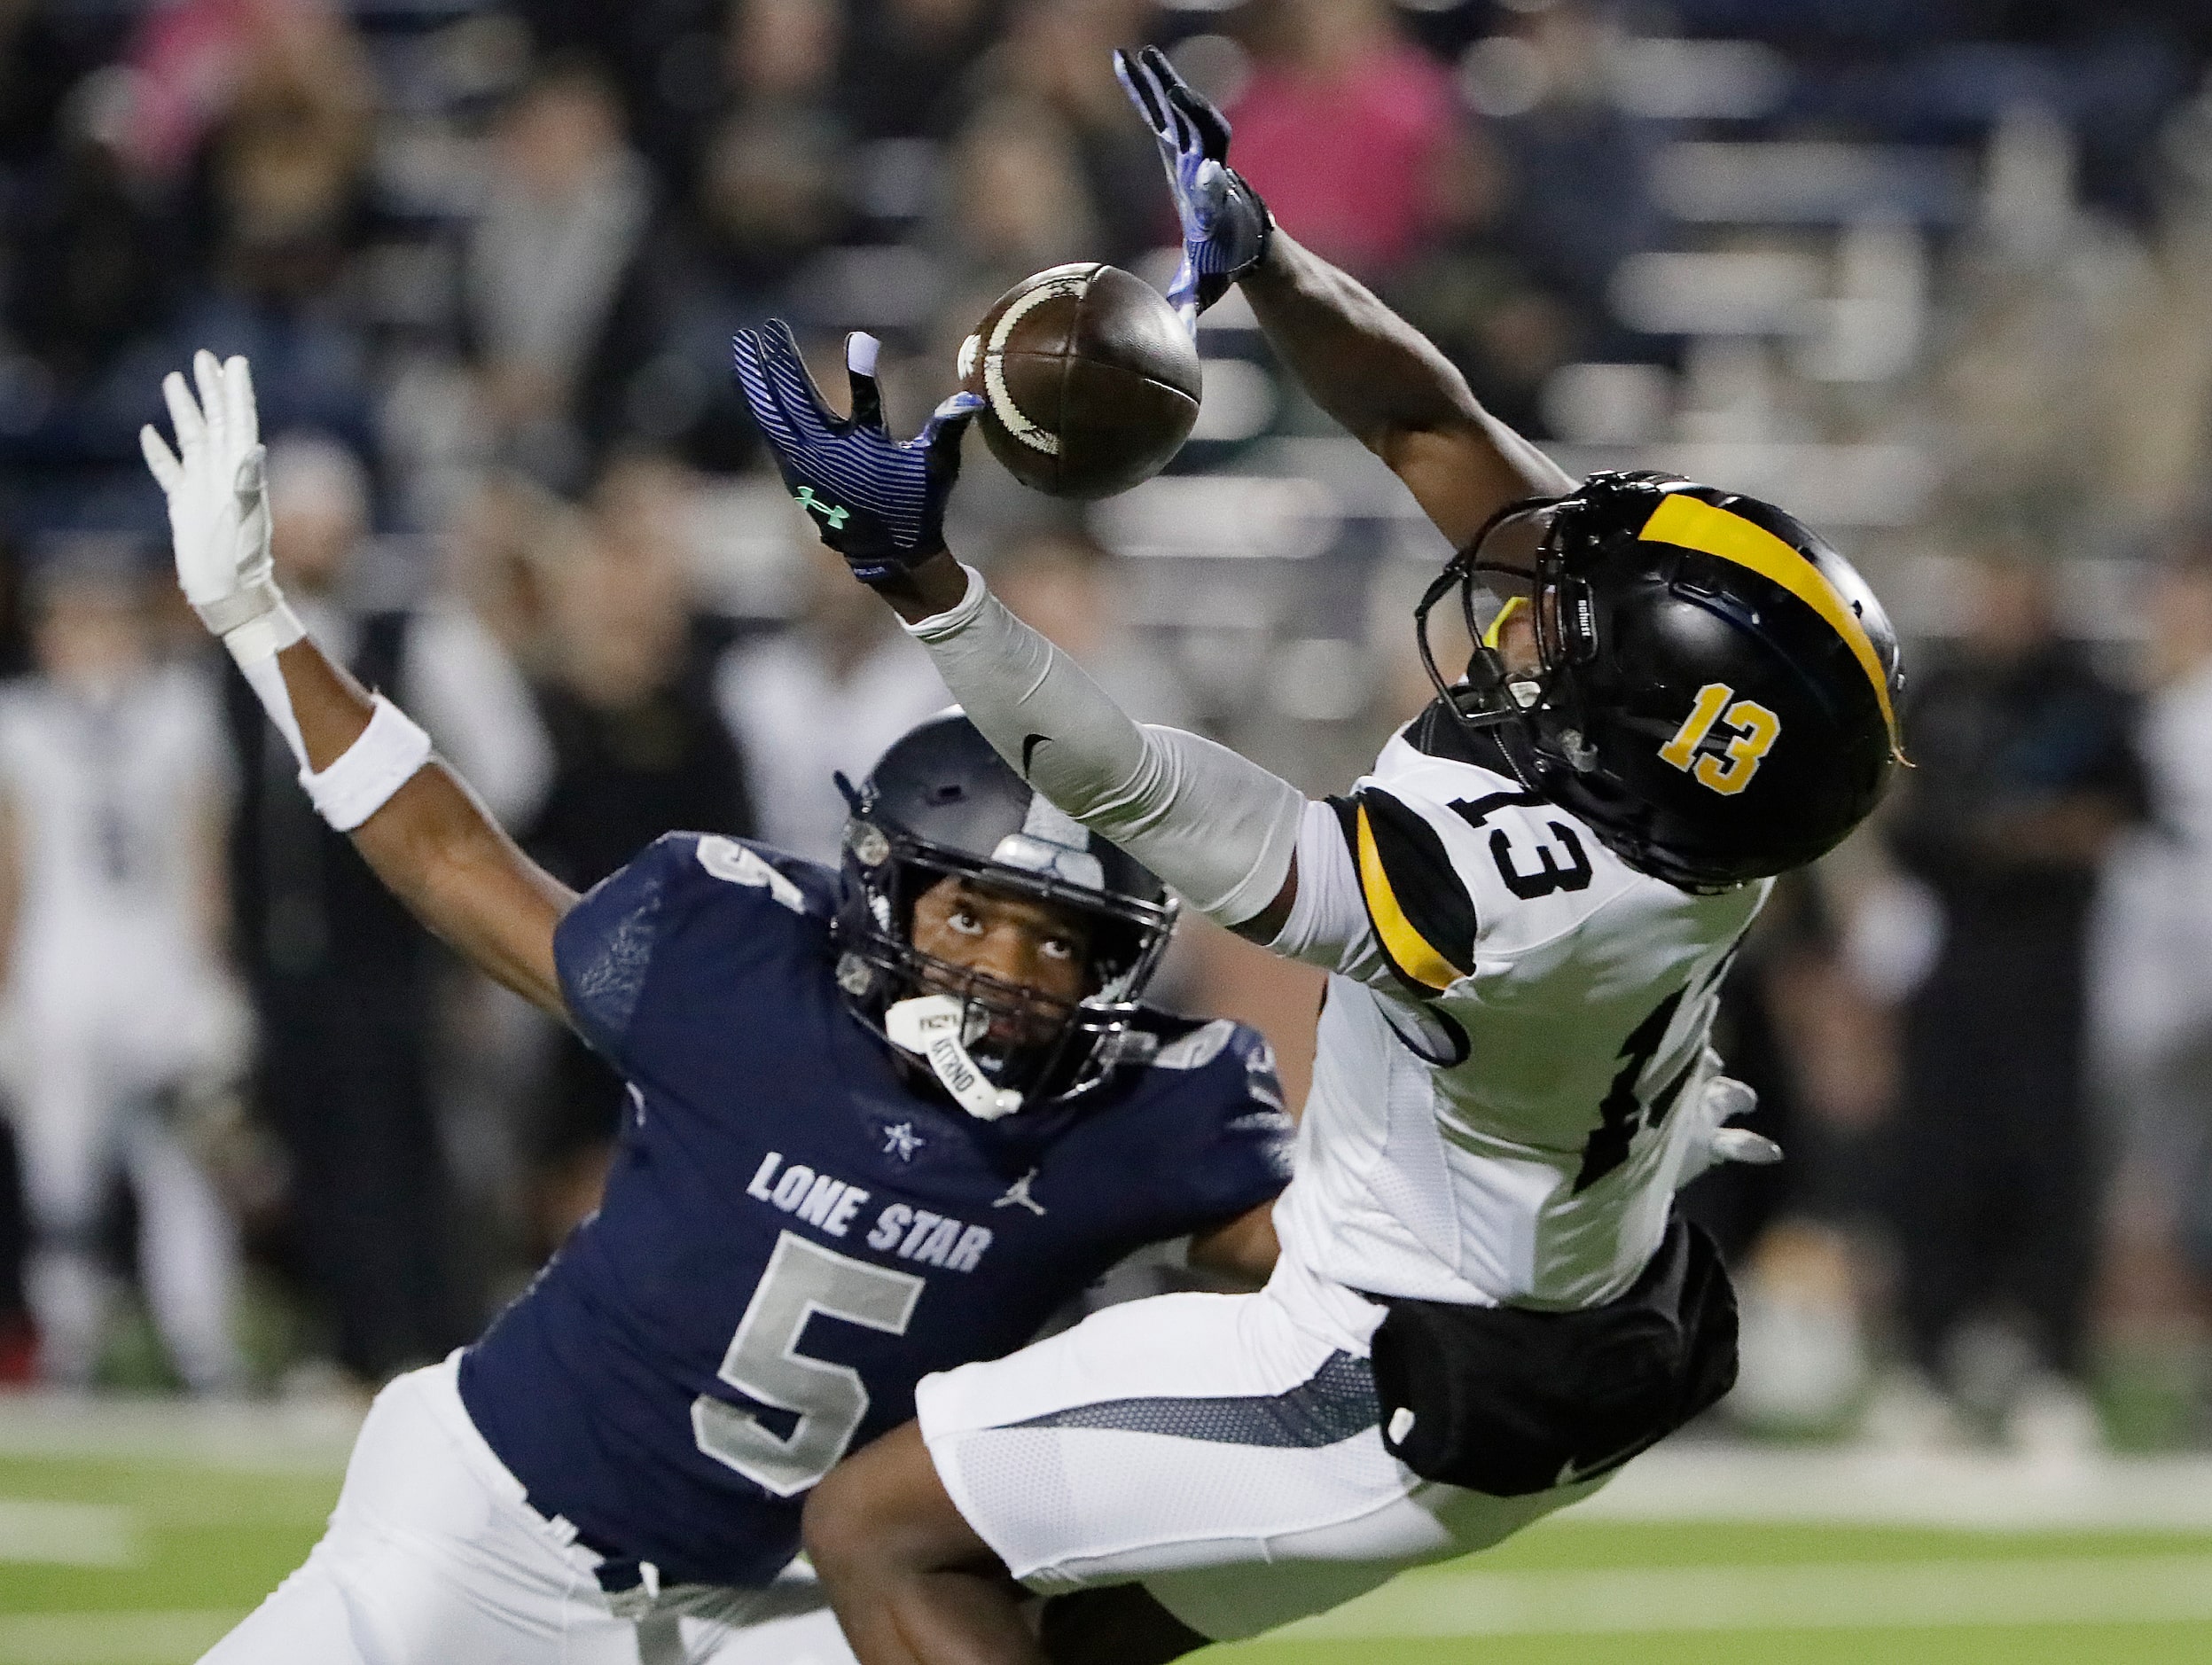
(765, 1363)
(1756, 730)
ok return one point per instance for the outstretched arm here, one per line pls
(1217, 828)
(367, 768)
(1363, 364)
(1395, 393)
(435, 847)
(1223, 831)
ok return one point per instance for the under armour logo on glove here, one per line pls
(877, 501)
(1225, 225)
(833, 517)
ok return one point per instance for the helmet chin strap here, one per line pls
(928, 1026)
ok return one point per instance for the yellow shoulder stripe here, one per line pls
(1407, 947)
(1694, 524)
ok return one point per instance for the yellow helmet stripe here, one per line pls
(1695, 524)
(1408, 948)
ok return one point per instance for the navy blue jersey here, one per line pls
(794, 1231)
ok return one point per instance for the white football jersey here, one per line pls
(111, 805)
(1513, 1051)
(99, 791)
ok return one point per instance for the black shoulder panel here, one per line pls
(1423, 919)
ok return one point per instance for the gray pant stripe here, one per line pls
(1334, 1403)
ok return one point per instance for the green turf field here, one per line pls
(138, 1541)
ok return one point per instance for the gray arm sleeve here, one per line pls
(1217, 828)
(1328, 924)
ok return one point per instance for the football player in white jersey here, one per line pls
(1485, 1303)
(115, 999)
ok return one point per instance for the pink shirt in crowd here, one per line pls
(1346, 161)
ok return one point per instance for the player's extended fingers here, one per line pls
(760, 396)
(191, 430)
(745, 365)
(241, 412)
(745, 369)
(1180, 133)
(1175, 133)
(207, 375)
(1203, 120)
(1208, 125)
(745, 359)
(252, 477)
(862, 350)
(793, 382)
(1151, 103)
(1136, 81)
(169, 473)
(1175, 128)
(948, 424)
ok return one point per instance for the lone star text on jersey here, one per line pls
(912, 1234)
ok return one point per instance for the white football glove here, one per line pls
(218, 496)
(1723, 1099)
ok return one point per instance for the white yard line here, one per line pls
(1885, 1595)
(111, 1638)
(35, 1532)
(263, 1437)
(1830, 1486)
(1845, 1487)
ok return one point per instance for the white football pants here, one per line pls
(1223, 1450)
(73, 1139)
(433, 1557)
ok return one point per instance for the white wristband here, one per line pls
(363, 779)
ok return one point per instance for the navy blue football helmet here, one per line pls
(942, 804)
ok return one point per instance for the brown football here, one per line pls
(1089, 380)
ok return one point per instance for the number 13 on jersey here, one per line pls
(1756, 730)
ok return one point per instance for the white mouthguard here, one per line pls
(928, 1026)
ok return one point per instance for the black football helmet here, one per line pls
(1718, 689)
(941, 802)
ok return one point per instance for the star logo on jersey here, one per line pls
(900, 1140)
(1018, 1195)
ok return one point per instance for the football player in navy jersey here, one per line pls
(882, 1121)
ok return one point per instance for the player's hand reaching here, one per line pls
(877, 501)
(1712, 1143)
(218, 499)
(1225, 225)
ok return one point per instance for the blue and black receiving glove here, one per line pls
(877, 501)
(1225, 225)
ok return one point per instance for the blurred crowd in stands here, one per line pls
(1930, 272)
